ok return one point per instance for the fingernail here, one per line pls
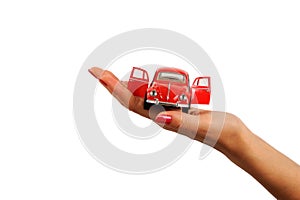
(100, 80)
(91, 72)
(163, 118)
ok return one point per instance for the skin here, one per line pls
(276, 172)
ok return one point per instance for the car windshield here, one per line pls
(171, 76)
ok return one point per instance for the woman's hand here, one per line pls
(223, 131)
(212, 128)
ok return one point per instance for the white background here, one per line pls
(255, 46)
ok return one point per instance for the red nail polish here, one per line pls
(163, 119)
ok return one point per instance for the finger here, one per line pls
(197, 111)
(108, 79)
(180, 122)
(113, 85)
(125, 83)
(119, 90)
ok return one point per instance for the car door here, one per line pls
(138, 81)
(201, 90)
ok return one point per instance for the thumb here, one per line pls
(179, 122)
(170, 120)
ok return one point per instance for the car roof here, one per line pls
(171, 69)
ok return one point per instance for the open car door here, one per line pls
(138, 82)
(201, 90)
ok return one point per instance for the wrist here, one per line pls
(234, 138)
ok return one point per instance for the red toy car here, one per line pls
(169, 87)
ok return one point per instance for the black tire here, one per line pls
(185, 110)
(146, 104)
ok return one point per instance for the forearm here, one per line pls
(276, 172)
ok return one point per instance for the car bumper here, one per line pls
(167, 103)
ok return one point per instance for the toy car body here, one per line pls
(169, 87)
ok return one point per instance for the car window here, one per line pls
(203, 82)
(171, 76)
(138, 74)
(146, 76)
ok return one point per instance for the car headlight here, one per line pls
(153, 93)
(182, 97)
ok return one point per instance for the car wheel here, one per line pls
(146, 104)
(185, 110)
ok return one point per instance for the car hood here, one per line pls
(175, 90)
